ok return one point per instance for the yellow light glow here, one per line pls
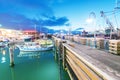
(3, 52)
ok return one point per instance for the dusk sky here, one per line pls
(54, 14)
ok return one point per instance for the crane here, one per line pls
(111, 27)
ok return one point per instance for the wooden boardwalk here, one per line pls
(88, 63)
(106, 63)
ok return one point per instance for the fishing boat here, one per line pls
(33, 46)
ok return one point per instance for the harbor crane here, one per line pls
(114, 34)
(110, 29)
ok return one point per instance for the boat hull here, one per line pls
(34, 50)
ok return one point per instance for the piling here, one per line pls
(11, 57)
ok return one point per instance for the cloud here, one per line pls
(24, 14)
(28, 8)
(79, 29)
(14, 21)
(55, 21)
(18, 21)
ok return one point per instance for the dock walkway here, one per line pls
(105, 63)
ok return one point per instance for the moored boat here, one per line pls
(33, 46)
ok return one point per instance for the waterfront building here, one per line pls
(33, 33)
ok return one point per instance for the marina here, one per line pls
(30, 66)
(60, 40)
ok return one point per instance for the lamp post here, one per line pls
(35, 31)
(0, 25)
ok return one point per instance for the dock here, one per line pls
(83, 62)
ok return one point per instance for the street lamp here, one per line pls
(0, 25)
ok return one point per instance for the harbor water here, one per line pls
(31, 66)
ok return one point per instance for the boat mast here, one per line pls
(35, 31)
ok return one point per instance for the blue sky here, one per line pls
(54, 14)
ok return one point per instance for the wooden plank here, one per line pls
(100, 44)
(114, 42)
(70, 75)
(83, 41)
(114, 52)
(90, 73)
(114, 45)
(114, 48)
(80, 74)
(71, 44)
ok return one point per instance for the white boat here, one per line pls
(3, 44)
(33, 46)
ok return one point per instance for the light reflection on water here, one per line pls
(29, 66)
(3, 59)
(24, 54)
